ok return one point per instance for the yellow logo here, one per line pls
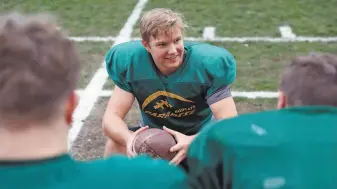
(163, 109)
(162, 104)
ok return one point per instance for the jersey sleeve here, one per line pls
(209, 167)
(220, 94)
(116, 62)
(222, 72)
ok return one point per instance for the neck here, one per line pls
(167, 72)
(33, 141)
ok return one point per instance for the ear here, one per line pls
(282, 100)
(71, 105)
(146, 45)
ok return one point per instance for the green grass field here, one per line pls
(255, 17)
(79, 17)
(259, 64)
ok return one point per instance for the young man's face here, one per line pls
(167, 50)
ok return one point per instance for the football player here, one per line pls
(180, 86)
(294, 146)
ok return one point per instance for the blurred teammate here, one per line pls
(293, 147)
(39, 69)
(177, 84)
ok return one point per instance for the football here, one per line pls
(154, 142)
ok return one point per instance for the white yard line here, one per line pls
(286, 31)
(91, 93)
(255, 94)
(244, 94)
(223, 39)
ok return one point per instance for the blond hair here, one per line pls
(39, 67)
(160, 20)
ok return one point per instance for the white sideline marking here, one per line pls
(223, 39)
(209, 33)
(87, 100)
(286, 32)
(90, 94)
(253, 94)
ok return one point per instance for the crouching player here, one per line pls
(177, 84)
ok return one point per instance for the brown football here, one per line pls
(154, 142)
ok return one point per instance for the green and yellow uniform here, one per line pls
(181, 100)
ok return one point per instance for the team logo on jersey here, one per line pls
(157, 105)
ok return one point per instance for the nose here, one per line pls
(172, 49)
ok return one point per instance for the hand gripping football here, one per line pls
(154, 142)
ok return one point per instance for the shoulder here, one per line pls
(141, 172)
(123, 54)
(130, 47)
(124, 61)
(245, 127)
(216, 63)
(209, 55)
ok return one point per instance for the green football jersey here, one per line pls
(63, 172)
(290, 148)
(177, 101)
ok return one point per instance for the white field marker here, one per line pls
(223, 39)
(286, 32)
(91, 93)
(209, 33)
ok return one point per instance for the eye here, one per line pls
(161, 44)
(177, 40)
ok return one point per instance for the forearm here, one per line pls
(116, 129)
(227, 113)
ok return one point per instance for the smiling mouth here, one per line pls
(172, 58)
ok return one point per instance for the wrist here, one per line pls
(191, 138)
(127, 137)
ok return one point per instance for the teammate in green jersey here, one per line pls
(293, 147)
(180, 85)
(39, 69)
